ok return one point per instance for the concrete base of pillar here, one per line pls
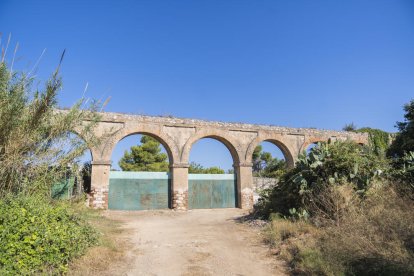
(247, 199)
(180, 200)
(98, 198)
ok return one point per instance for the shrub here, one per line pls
(281, 229)
(379, 140)
(404, 140)
(38, 236)
(296, 242)
(402, 174)
(327, 166)
(375, 237)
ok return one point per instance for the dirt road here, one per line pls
(197, 242)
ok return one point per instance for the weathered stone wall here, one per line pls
(180, 200)
(260, 183)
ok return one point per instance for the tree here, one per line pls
(349, 127)
(145, 157)
(404, 141)
(197, 168)
(264, 165)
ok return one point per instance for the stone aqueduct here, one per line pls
(178, 135)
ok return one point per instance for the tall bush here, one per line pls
(36, 146)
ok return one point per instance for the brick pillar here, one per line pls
(179, 185)
(98, 197)
(244, 185)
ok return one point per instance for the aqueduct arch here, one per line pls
(164, 141)
(228, 141)
(220, 136)
(178, 135)
(288, 152)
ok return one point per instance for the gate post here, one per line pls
(179, 187)
(244, 185)
(98, 197)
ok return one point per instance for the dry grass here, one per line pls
(296, 243)
(109, 257)
(279, 230)
(373, 238)
(376, 239)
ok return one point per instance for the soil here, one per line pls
(196, 242)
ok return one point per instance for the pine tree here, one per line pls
(145, 157)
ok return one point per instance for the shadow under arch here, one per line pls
(289, 159)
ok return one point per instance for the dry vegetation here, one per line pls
(375, 237)
(110, 254)
(344, 210)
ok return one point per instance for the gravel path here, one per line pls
(197, 242)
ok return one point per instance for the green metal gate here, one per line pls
(206, 191)
(139, 190)
(64, 188)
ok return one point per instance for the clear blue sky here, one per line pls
(293, 63)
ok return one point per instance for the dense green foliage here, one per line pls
(404, 141)
(402, 174)
(197, 168)
(38, 236)
(379, 140)
(328, 164)
(145, 157)
(264, 165)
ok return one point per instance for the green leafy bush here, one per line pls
(404, 140)
(328, 165)
(403, 174)
(38, 236)
(379, 140)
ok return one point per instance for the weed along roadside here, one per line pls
(109, 255)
